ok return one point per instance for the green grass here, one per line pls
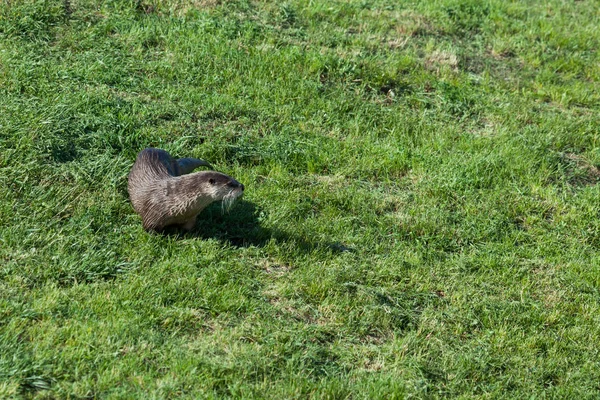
(421, 218)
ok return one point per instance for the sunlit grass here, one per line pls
(420, 216)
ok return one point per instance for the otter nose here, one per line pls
(242, 185)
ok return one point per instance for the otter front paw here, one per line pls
(189, 225)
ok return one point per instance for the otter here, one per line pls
(164, 192)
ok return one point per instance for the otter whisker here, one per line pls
(228, 201)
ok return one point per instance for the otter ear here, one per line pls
(211, 181)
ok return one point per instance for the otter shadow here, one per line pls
(240, 227)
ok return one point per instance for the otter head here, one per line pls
(221, 187)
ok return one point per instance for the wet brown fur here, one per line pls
(164, 192)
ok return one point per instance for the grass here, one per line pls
(421, 216)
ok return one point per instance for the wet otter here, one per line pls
(164, 193)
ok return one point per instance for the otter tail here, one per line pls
(187, 165)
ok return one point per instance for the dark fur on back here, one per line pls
(163, 193)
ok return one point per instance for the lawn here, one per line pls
(420, 220)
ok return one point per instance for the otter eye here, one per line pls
(211, 181)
